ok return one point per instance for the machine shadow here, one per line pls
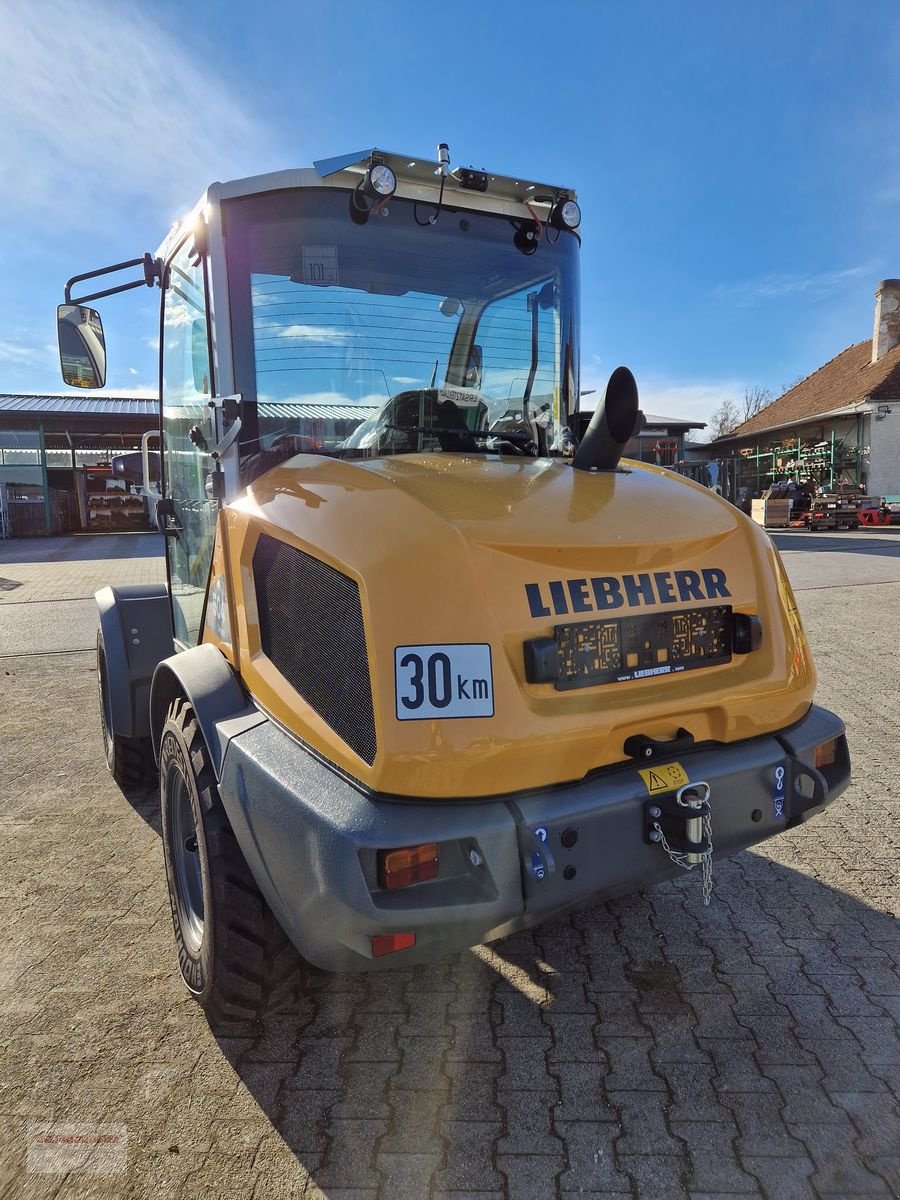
(531, 1065)
(144, 799)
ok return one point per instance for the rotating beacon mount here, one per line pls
(682, 825)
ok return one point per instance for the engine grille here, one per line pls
(311, 628)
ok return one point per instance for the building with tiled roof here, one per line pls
(839, 426)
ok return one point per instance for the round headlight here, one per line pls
(568, 214)
(382, 180)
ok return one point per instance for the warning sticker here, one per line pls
(462, 397)
(666, 778)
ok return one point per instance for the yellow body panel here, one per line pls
(442, 546)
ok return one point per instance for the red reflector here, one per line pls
(412, 864)
(387, 943)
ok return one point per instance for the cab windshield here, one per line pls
(394, 335)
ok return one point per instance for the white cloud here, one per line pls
(685, 399)
(21, 349)
(101, 105)
(312, 333)
(17, 352)
(777, 285)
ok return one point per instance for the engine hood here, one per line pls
(452, 552)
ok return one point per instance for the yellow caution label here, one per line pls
(666, 778)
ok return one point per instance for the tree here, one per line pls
(755, 399)
(725, 419)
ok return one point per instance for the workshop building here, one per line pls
(55, 462)
(839, 428)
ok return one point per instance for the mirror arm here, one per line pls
(152, 271)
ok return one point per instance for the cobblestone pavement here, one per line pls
(73, 568)
(648, 1048)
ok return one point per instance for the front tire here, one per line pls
(234, 957)
(129, 760)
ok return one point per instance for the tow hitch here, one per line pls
(682, 825)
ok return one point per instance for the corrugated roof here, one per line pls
(652, 419)
(94, 406)
(848, 380)
(337, 412)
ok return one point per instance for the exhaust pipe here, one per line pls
(615, 421)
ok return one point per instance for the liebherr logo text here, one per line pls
(562, 597)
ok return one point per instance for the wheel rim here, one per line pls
(186, 862)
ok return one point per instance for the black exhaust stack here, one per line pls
(615, 421)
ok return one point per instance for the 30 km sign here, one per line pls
(443, 681)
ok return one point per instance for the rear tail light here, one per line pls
(389, 943)
(826, 754)
(411, 864)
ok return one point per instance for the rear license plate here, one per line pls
(619, 649)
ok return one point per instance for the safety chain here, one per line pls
(678, 857)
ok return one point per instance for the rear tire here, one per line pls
(130, 760)
(235, 958)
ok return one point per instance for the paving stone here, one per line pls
(529, 1123)
(472, 1092)
(888, 1167)
(693, 1097)
(714, 1166)
(877, 1121)
(350, 1155)
(470, 1158)
(839, 1170)
(656, 1176)
(421, 1065)
(761, 1126)
(618, 1016)
(804, 1097)
(675, 1039)
(781, 1178)
(630, 1066)
(406, 1175)
(531, 1176)
(736, 1067)
(583, 1097)
(644, 1127)
(525, 1065)
(592, 1162)
(572, 1037)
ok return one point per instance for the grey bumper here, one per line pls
(311, 840)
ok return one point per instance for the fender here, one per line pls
(136, 626)
(210, 683)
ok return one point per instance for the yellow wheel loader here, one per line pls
(432, 664)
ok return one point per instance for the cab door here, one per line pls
(188, 436)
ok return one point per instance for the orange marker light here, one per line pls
(826, 753)
(412, 864)
(388, 943)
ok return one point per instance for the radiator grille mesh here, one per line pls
(311, 628)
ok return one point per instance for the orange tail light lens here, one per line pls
(388, 943)
(412, 864)
(826, 753)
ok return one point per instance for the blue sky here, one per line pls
(738, 166)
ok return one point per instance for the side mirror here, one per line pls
(82, 349)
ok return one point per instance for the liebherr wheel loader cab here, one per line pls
(425, 672)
